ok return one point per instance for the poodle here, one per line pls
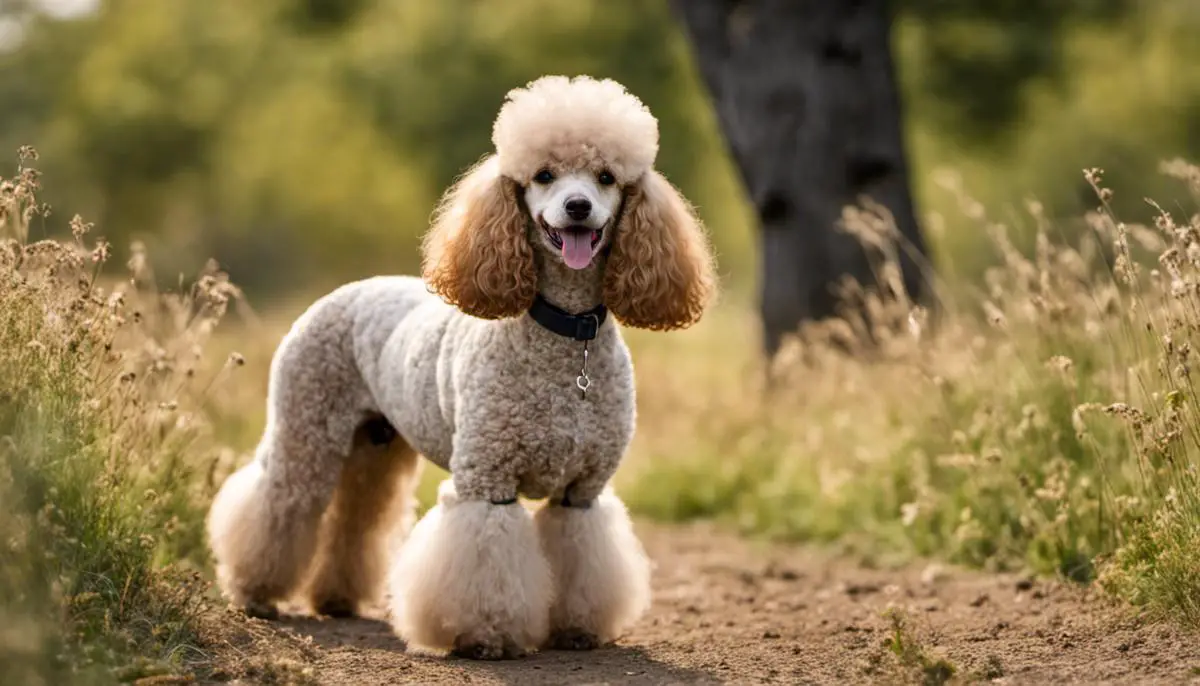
(502, 366)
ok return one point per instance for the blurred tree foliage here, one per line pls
(973, 58)
(1017, 97)
(304, 142)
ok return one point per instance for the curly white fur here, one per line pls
(444, 602)
(471, 382)
(602, 575)
(575, 123)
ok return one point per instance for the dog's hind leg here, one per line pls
(263, 523)
(374, 504)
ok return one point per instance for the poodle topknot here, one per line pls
(500, 365)
(574, 123)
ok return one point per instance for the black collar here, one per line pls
(581, 327)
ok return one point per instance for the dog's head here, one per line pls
(572, 176)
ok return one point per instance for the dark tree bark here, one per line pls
(806, 96)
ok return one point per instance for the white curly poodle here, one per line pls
(514, 379)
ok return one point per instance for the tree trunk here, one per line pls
(806, 96)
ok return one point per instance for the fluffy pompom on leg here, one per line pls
(263, 542)
(601, 572)
(472, 579)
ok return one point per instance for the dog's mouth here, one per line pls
(576, 242)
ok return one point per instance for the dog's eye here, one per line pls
(544, 176)
(606, 178)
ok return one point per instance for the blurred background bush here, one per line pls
(304, 142)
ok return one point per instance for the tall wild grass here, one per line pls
(104, 454)
(1045, 416)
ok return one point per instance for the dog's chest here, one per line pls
(572, 435)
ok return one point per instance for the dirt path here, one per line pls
(728, 611)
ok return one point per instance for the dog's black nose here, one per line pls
(578, 208)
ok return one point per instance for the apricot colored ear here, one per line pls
(476, 254)
(660, 275)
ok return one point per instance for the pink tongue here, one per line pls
(577, 248)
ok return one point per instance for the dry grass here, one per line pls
(1047, 419)
(105, 462)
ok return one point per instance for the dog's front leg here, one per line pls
(601, 572)
(472, 579)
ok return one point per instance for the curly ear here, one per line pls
(660, 273)
(476, 254)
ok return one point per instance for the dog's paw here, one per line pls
(336, 607)
(573, 639)
(261, 610)
(498, 648)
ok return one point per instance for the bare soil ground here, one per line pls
(730, 611)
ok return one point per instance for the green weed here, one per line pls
(103, 459)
